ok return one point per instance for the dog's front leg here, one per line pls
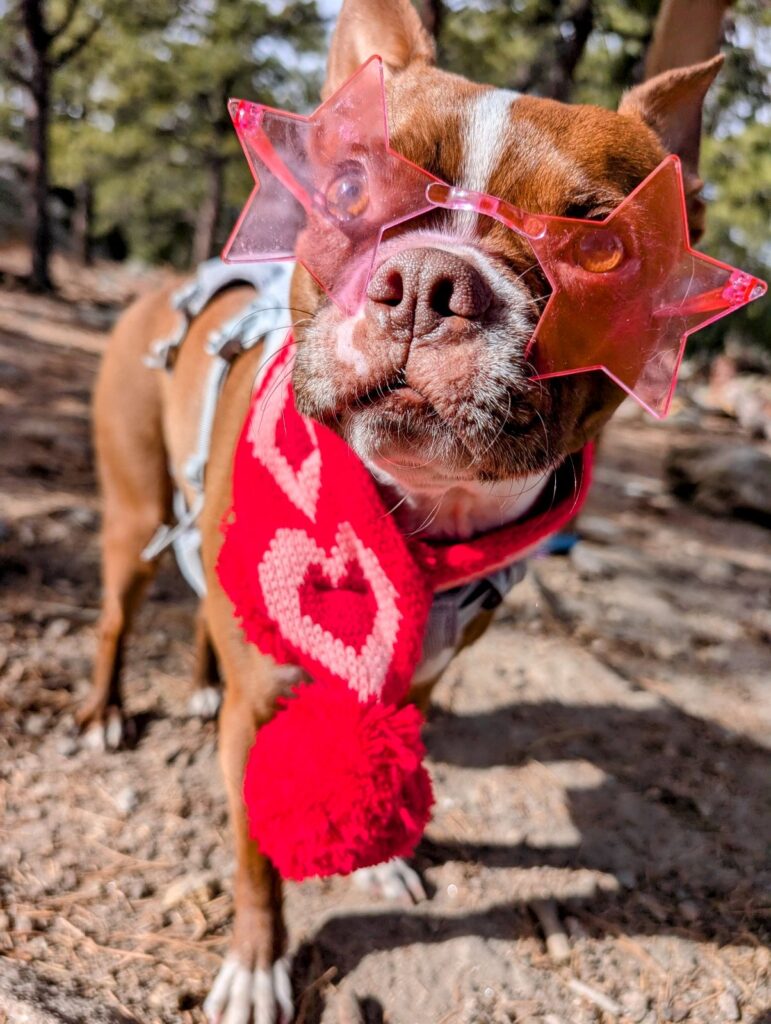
(253, 983)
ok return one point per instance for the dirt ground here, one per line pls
(600, 756)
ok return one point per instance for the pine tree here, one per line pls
(129, 110)
(38, 42)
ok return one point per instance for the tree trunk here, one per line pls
(686, 32)
(40, 278)
(40, 234)
(570, 49)
(209, 214)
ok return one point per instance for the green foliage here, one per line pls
(140, 114)
(736, 167)
(514, 44)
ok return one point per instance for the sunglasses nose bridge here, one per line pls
(449, 197)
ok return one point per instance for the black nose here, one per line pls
(419, 289)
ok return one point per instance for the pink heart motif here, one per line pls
(293, 564)
(298, 474)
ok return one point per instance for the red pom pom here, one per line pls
(333, 784)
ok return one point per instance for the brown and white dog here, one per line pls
(450, 424)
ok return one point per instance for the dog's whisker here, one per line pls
(427, 522)
(398, 505)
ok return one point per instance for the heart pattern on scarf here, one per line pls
(348, 602)
(299, 477)
(353, 638)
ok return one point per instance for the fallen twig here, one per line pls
(605, 1003)
(314, 986)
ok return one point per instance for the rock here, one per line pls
(164, 997)
(201, 886)
(724, 481)
(599, 529)
(84, 517)
(126, 800)
(641, 488)
(728, 1007)
(635, 1005)
(674, 1011)
(56, 629)
(67, 746)
(35, 725)
(745, 396)
(588, 563)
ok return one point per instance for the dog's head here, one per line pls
(429, 379)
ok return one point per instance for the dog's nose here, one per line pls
(419, 290)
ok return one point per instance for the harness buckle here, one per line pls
(163, 352)
(227, 344)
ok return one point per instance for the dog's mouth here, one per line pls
(431, 372)
(421, 437)
(392, 392)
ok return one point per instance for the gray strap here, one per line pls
(166, 535)
(452, 610)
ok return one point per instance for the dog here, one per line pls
(449, 310)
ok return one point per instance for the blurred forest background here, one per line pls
(115, 140)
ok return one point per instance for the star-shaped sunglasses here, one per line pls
(626, 291)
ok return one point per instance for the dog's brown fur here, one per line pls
(145, 421)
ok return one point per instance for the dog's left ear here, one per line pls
(389, 28)
(671, 104)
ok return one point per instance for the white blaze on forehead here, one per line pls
(487, 127)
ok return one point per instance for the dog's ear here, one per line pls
(671, 104)
(389, 28)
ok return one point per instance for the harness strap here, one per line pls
(264, 318)
(453, 610)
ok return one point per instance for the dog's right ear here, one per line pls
(671, 104)
(390, 28)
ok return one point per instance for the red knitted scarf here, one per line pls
(321, 577)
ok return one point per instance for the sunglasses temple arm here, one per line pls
(450, 198)
(740, 289)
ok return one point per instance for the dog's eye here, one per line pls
(347, 195)
(599, 251)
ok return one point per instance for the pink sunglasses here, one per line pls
(627, 291)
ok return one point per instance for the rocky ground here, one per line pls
(600, 761)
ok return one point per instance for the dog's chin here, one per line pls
(402, 435)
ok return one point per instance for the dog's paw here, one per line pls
(394, 880)
(101, 734)
(205, 703)
(240, 995)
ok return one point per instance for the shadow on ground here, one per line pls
(666, 820)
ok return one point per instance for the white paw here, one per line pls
(395, 880)
(240, 995)
(204, 703)
(107, 735)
